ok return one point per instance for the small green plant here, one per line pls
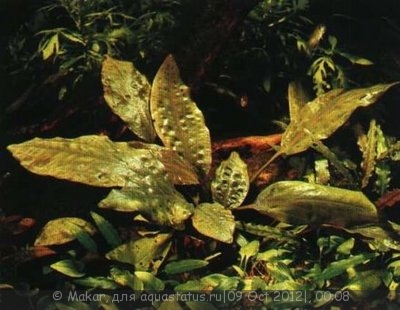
(278, 256)
(70, 38)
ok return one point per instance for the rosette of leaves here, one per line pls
(145, 172)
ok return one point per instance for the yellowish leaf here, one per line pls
(177, 120)
(127, 92)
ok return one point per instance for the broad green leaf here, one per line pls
(177, 120)
(127, 92)
(337, 268)
(155, 198)
(93, 160)
(231, 182)
(68, 267)
(214, 221)
(97, 282)
(297, 203)
(63, 230)
(184, 265)
(146, 253)
(107, 230)
(126, 278)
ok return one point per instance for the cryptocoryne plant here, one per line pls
(143, 176)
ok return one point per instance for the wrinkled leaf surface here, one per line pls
(153, 197)
(214, 221)
(177, 120)
(96, 160)
(231, 182)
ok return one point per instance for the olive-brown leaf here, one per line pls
(177, 120)
(180, 171)
(146, 253)
(368, 147)
(96, 160)
(231, 182)
(298, 203)
(127, 92)
(297, 98)
(321, 117)
(63, 230)
(153, 197)
(214, 221)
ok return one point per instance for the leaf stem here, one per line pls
(275, 156)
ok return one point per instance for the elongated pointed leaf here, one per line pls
(127, 92)
(297, 98)
(95, 160)
(214, 221)
(68, 267)
(336, 268)
(324, 115)
(97, 282)
(63, 230)
(107, 230)
(297, 203)
(184, 265)
(155, 198)
(231, 182)
(146, 253)
(177, 120)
